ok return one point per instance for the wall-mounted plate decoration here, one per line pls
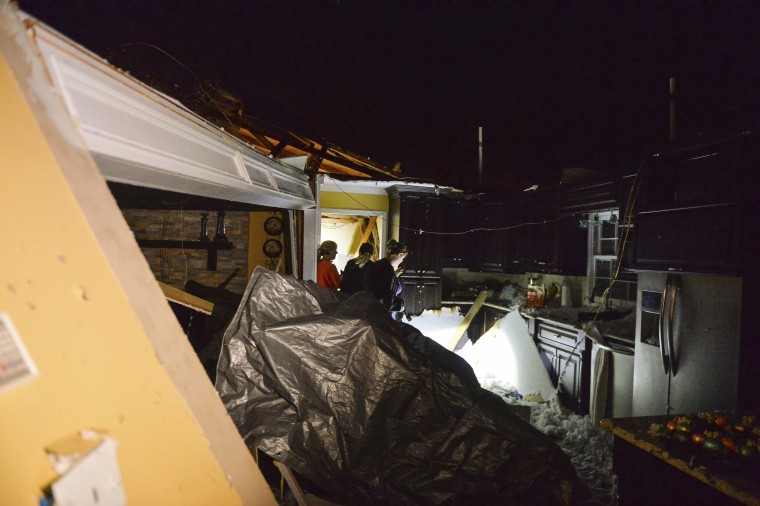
(273, 226)
(272, 248)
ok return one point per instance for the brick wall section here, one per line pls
(175, 266)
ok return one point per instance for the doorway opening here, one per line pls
(350, 229)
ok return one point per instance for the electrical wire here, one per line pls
(182, 242)
(195, 76)
(628, 214)
(463, 232)
(630, 206)
(162, 252)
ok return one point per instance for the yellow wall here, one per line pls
(109, 352)
(360, 201)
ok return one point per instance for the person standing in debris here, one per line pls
(384, 281)
(327, 273)
(356, 275)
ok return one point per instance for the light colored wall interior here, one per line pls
(346, 234)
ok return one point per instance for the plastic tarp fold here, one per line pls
(372, 410)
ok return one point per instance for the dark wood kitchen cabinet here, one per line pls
(490, 253)
(527, 233)
(458, 218)
(543, 239)
(555, 242)
(597, 194)
(504, 245)
(420, 292)
(516, 250)
(415, 216)
(566, 352)
(691, 208)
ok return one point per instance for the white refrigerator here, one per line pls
(688, 330)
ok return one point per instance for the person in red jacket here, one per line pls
(327, 273)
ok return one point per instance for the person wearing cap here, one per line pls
(357, 271)
(327, 273)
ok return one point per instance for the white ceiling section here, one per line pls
(330, 184)
(141, 137)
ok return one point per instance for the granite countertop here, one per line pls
(621, 329)
(726, 472)
(622, 324)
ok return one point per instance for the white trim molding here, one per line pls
(141, 137)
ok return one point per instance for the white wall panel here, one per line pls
(141, 137)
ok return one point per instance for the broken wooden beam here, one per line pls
(186, 299)
(457, 338)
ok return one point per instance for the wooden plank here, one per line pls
(186, 299)
(292, 253)
(376, 241)
(339, 219)
(292, 483)
(467, 320)
(368, 230)
(366, 233)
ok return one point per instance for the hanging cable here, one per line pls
(199, 82)
(629, 208)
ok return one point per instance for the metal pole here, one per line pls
(672, 125)
(480, 156)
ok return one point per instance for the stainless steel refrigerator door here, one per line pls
(706, 331)
(650, 379)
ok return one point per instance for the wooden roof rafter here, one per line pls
(226, 110)
(277, 142)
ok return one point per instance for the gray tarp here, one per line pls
(372, 410)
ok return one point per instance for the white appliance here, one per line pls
(611, 382)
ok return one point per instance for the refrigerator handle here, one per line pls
(661, 328)
(674, 284)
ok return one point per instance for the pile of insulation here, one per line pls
(372, 410)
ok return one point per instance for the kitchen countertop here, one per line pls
(728, 473)
(620, 331)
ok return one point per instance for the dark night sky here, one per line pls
(554, 85)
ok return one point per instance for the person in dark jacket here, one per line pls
(384, 282)
(356, 274)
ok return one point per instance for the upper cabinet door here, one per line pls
(596, 195)
(690, 210)
(419, 222)
(516, 251)
(490, 255)
(526, 233)
(555, 242)
(457, 223)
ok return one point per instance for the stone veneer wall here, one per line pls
(176, 266)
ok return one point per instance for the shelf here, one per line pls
(210, 246)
